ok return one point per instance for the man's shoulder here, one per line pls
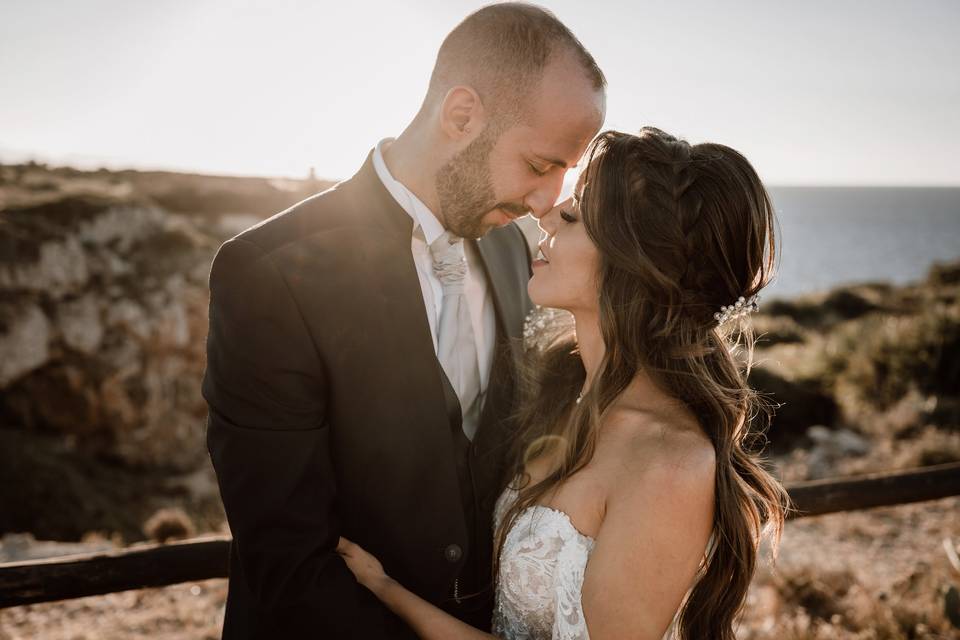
(306, 227)
(316, 214)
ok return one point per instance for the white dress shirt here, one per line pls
(426, 229)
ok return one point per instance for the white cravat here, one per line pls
(457, 347)
(426, 230)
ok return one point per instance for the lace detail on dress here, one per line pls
(541, 575)
(538, 595)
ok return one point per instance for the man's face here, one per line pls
(504, 174)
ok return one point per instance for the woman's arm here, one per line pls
(428, 621)
(649, 547)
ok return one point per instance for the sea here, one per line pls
(830, 236)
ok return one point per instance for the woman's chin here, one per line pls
(539, 296)
(534, 291)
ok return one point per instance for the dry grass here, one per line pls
(879, 574)
(192, 611)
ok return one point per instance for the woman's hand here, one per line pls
(427, 621)
(366, 568)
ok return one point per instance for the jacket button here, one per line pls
(453, 553)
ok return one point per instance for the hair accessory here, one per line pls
(740, 308)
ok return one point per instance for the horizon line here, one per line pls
(92, 165)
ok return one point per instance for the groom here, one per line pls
(362, 347)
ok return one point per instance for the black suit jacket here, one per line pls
(329, 415)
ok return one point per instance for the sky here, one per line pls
(836, 92)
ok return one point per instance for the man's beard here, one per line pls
(465, 188)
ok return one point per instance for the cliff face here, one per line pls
(103, 303)
(102, 326)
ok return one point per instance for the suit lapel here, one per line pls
(395, 265)
(507, 271)
(505, 276)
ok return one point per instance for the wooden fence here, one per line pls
(158, 565)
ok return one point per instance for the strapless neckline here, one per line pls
(542, 566)
(563, 515)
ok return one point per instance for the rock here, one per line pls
(173, 329)
(103, 336)
(24, 341)
(56, 247)
(121, 227)
(20, 547)
(802, 405)
(839, 442)
(103, 278)
(200, 274)
(59, 268)
(169, 524)
(80, 324)
(57, 397)
(127, 315)
(830, 446)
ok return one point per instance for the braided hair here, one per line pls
(681, 230)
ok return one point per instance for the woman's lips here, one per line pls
(541, 260)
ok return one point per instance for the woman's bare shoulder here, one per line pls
(660, 452)
(658, 519)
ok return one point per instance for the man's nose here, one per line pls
(541, 200)
(548, 222)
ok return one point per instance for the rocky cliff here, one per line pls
(103, 303)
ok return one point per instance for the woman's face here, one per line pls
(565, 275)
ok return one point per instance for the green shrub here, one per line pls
(897, 353)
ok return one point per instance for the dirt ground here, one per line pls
(875, 574)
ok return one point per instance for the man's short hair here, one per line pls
(501, 51)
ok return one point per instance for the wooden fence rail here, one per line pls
(820, 497)
(157, 565)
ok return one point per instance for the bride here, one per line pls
(637, 506)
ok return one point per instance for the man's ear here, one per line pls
(462, 114)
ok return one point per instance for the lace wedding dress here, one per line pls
(541, 575)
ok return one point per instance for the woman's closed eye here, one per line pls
(567, 216)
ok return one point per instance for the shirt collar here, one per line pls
(423, 217)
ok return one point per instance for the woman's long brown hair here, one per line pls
(681, 230)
